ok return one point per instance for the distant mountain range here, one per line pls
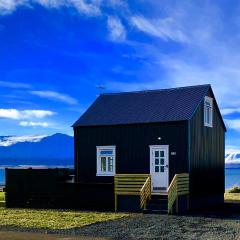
(55, 150)
(232, 159)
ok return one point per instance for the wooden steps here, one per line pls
(158, 204)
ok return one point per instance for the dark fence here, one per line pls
(50, 188)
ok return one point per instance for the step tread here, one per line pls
(158, 197)
(158, 200)
(157, 205)
(149, 211)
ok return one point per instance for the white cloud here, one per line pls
(8, 141)
(33, 124)
(166, 29)
(233, 124)
(24, 114)
(209, 53)
(56, 96)
(8, 6)
(50, 3)
(8, 84)
(227, 111)
(89, 8)
(116, 29)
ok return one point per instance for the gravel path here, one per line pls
(147, 226)
(165, 227)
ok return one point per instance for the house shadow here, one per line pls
(228, 210)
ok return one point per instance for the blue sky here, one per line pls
(53, 54)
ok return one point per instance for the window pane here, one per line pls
(208, 112)
(103, 164)
(106, 152)
(156, 161)
(156, 153)
(161, 153)
(162, 161)
(162, 168)
(207, 104)
(156, 168)
(207, 115)
(110, 164)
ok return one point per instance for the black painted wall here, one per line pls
(132, 148)
(207, 147)
(48, 188)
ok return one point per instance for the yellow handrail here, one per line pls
(178, 187)
(132, 184)
(145, 193)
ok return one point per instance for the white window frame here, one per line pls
(99, 171)
(210, 109)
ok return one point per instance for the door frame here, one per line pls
(151, 166)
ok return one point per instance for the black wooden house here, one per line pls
(156, 148)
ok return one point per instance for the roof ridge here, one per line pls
(156, 90)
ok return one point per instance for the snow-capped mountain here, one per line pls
(6, 141)
(55, 150)
(232, 157)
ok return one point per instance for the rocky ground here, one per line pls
(145, 226)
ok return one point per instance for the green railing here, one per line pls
(178, 187)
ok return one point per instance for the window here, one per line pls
(208, 112)
(106, 157)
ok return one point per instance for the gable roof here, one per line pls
(165, 105)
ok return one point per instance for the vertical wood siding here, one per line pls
(132, 148)
(207, 147)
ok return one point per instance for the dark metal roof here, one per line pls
(175, 104)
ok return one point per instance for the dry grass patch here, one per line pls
(2, 199)
(232, 197)
(51, 219)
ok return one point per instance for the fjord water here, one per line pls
(232, 177)
(2, 176)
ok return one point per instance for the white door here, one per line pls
(159, 161)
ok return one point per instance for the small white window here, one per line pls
(106, 157)
(208, 112)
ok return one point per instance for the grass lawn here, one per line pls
(52, 219)
(2, 196)
(2, 199)
(63, 219)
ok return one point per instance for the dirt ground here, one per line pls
(141, 226)
(39, 236)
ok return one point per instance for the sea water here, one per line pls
(232, 177)
(2, 176)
